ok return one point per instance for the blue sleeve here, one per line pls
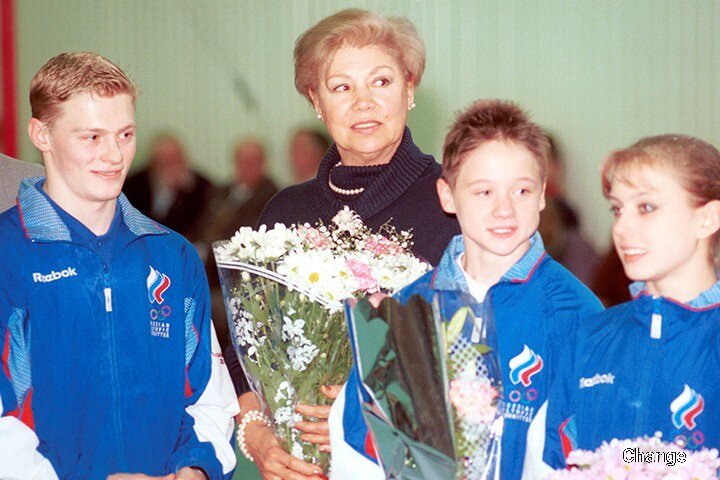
(15, 375)
(8, 401)
(571, 306)
(354, 427)
(559, 426)
(20, 454)
(208, 401)
(420, 286)
(560, 432)
(8, 318)
(568, 303)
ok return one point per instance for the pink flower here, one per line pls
(473, 399)
(314, 236)
(363, 274)
(379, 245)
(612, 461)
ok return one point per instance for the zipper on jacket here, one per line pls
(656, 326)
(653, 344)
(108, 299)
(117, 404)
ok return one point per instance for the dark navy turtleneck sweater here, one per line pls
(401, 193)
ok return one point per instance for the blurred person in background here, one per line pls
(307, 149)
(11, 172)
(238, 204)
(560, 223)
(609, 281)
(168, 190)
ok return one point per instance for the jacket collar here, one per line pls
(42, 223)
(708, 299)
(449, 275)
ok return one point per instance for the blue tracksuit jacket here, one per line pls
(535, 305)
(648, 365)
(105, 344)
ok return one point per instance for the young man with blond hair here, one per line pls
(110, 367)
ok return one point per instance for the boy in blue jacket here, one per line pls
(494, 168)
(110, 366)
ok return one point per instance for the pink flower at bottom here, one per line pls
(379, 245)
(363, 274)
(314, 236)
(473, 399)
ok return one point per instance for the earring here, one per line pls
(411, 106)
(319, 116)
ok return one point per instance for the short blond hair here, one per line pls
(70, 73)
(315, 48)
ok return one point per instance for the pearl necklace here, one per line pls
(343, 191)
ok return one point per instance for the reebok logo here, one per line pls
(53, 275)
(597, 379)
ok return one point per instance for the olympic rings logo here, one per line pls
(163, 312)
(516, 396)
(697, 438)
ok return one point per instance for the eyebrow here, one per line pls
(102, 130)
(373, 71)
(521, 179)
(635, 195)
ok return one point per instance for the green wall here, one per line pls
(598, 74)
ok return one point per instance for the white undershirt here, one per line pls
(477, 290)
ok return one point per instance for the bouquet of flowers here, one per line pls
(646, 458)
(475, 394)
(435, 387)
(283, 290)
(399, 359)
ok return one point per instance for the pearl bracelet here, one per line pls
(249, 417)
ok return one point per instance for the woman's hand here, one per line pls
(375, 299)
(317, 431)
(188, 473)
(273, 462)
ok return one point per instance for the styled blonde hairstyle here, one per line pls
(695, 163)
(488, 120)
(315, 48)
(70, 73)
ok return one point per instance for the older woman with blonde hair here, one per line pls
(359, 70)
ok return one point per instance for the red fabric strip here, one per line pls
(8, 94)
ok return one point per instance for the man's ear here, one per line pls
(709, 219)
(39, 134)
(445, 195)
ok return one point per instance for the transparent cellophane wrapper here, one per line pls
(404, 359)
(288, 343)
(400, 361)
(470, 338)
(477, 444)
